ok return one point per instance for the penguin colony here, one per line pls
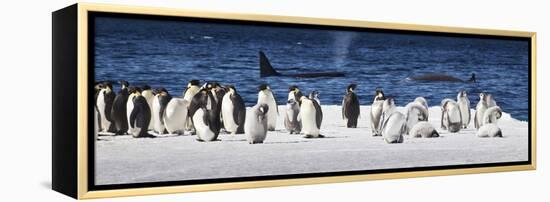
(210, 109)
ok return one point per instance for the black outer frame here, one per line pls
(64, 102)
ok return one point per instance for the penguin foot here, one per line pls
(313, 136)
(120, 132)
(146, 135)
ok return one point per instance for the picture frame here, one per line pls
(74, 66)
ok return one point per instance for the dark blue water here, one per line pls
(169, 54)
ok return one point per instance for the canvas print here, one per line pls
(189, 99)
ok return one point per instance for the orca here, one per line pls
(267, 70)
(441, 77)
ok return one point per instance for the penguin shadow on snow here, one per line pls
(288, 142)
(234, 140)
(157, 135)
(325, 137)
(216, 140)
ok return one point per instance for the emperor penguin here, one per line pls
(376, 112)
(294, 93)
(104, 104)
(130, 105)
(205, 115)
(265, 96)
(451, 118)
(97, 88)
(422, 101)
(464, 106)
(255, 126)
(160, 101)
(481, 107)
(489, 130)
(193, 87)
(415, 112)
(218, 91)
(118, 113)
(350, 107)
(423, 129)
(175, 115)
(392, 123)
(388, 107)
(140, 116)
(492, 114)
(293, 123)
(233, 111)
(314, 95)
(311, 116)
(148, 94)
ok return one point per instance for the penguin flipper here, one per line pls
(133, 115)
(239, 109)
(196, 103)
(276, 106)
(344, 101)
(469, 115)
(163, 103)
(318, 114)
(475, 121)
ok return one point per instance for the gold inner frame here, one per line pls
(85, 193)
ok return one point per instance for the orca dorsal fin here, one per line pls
(265, 67)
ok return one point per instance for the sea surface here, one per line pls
(170, 53)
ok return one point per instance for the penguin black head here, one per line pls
(263, 87)
(379, 95)
(313, 94)
(216, 85)
(134, 89)
(98, 86)
(146, 87)
(161, 91)
(351, 87)
(498, 113)
(293, 88)
(108, 85)
(124, 84)
(482, 96)
(194, 82)
(435, 133)
(390, 100)
(230, 87)
(462, 93)
(263, 109)
(210, 86)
